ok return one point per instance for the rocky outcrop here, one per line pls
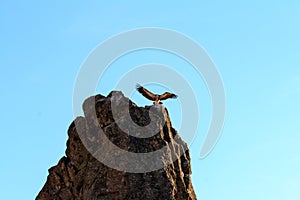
(83, 174)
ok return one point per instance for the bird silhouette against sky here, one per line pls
(156, 98)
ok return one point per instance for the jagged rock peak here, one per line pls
(94, 170)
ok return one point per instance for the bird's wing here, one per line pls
(167, 95)
(146, 93)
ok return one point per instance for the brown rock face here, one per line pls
(81, 176)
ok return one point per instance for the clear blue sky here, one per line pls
(255, 45)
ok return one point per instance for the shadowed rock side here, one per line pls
(80, 176)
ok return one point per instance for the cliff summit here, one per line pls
(109, 158)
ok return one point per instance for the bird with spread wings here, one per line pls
(156, 98)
